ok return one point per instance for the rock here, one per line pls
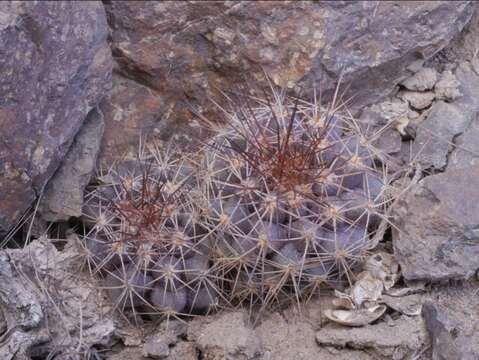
(399, 339)
(135, 113)
(56, 66)
(155, 349)
(447, 88)
(63, 196)
(225, 337)
(418, 100)
(159, 345)
(466, 150)
(452, 320)
(435, 134)
(294, 339)
(424, 79)
(469, 87)
(390, 112)
(437, 221)
(212, 45)
(183, 351)
(389, 141)
(34, 278)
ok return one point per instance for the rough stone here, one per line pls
(56, 65)
(135, 113)
(47, 304)
(160, 344)
(452, 321)
(447, 88)
(290, 336)
(438, 221)
(466, 149)
(436, 133)
(393, 111)
(183, 351)
(225, 336)
(417, 99)
(63, 196)
(468, 79)
(424, 79)
(399, 339)
(188, 52)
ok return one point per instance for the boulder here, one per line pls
(436, 236)
(63, 195)
(187, 53)
(56, 65)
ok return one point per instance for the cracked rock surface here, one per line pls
(452, 320)
(181, 54)
(439, 222)
(47, 305)
(56, 66)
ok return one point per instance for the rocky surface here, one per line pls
(135, 113)
(63, 196)
(466, 151)
(436, 134)
(403, 338)
(438, 221)
(56, 66)
(452, 321)
(48, 306)
(208, 47)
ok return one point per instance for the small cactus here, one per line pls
(295, 193)
(283, 199)
(144, 240)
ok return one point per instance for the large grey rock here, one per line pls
(436, 133)
(438, 221)
(63, 196)
(56, 66)
(193, 50)
(452, 320)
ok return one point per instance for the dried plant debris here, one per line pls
(368, 299)
(286, 198)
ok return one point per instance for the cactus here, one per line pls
(295, 193)
(144, 240)
(283, 199)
